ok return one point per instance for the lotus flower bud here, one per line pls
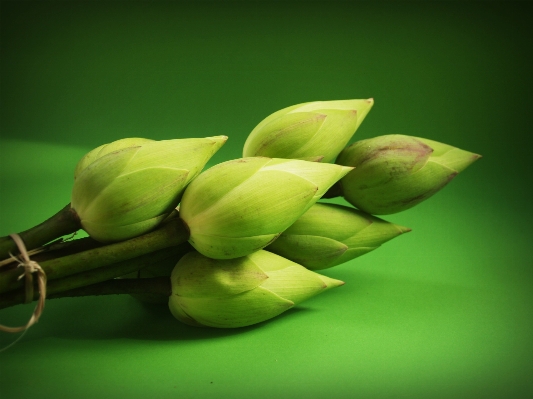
(240, 292)
(314, 131)
(395, 172)
(129, 192)
(240, 206)
(330, 234)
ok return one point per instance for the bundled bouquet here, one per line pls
(241, 242)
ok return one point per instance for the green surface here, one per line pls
(444, 311)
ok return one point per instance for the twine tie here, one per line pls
(30, 267)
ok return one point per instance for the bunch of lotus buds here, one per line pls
(256, 232)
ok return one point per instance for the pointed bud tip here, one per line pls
(217, 142)
(219, 139)
(330, 282)
(403, 229)
(347, 169)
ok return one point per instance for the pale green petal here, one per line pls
(282, 136)
(196, 276)
(92, 180)
(318, 129)
(395, 172)
(268, 261)
(136, 196)
(401, 193)
(288, 279)
(221, 203)
(131, 187)
(218, 247)
(190, 154)
(176, 310)
(330, 234)
(376, 234)
(272, 117)
(104, 232)
(331, 137)
(439, 149)
(382, 159)
(346, 105)
(330, 282)
(257, 134)
(340, 222)
(362, 107)
(239, 310)
(209, 187)
(294, 283)
(452, 157)
(215, 292)
(120, 144)
(87, 159)
(105, 149)
(322, 175)
(256, 206)
(313, 252)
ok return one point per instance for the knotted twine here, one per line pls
(30, 267)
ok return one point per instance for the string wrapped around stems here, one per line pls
(30, 267)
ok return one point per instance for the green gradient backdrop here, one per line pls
(444, 311)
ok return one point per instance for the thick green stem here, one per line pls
(76, 282)
(65, 222)
(170, 234)
(154, 285)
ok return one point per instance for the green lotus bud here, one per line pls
(311, 131)
(128, 192)
(240, 206)
(395, 172)
(329, 234)
(105, 149)
(240, 292)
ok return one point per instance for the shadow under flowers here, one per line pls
(114, 317)
(373, 301)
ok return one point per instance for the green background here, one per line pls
(444, 311)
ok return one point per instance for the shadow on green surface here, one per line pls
(155, 322)
(119, 317)
(373, 301)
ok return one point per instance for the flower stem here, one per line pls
(64, 222)
(153, 285)
(76, 282)
(173, 233)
